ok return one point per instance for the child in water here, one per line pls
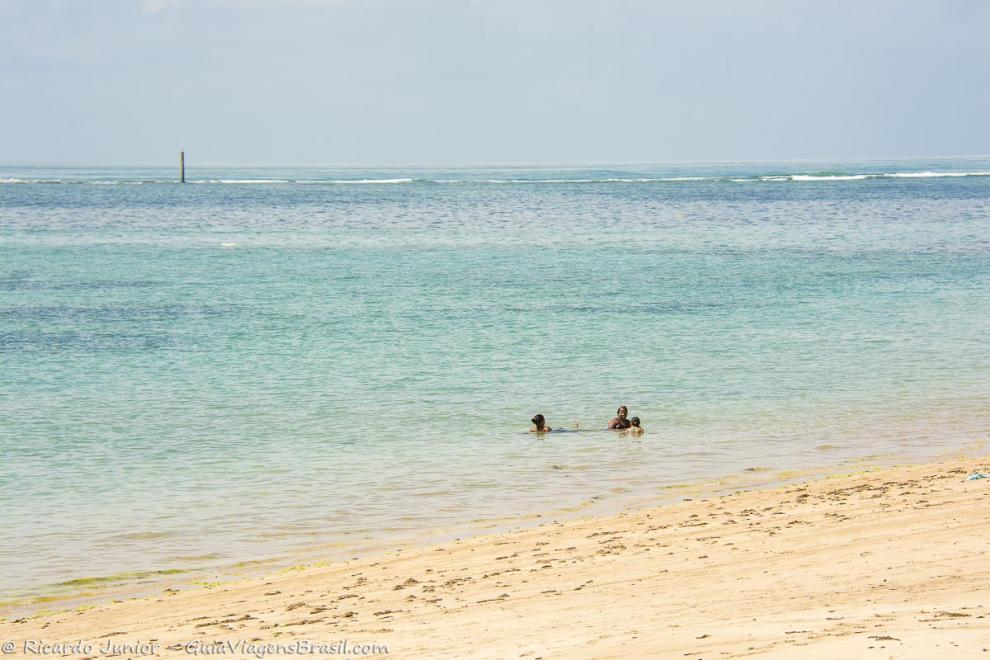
(635, 429)
(539, 424)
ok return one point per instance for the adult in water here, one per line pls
(621, 420)
(539, 424)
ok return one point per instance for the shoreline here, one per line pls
(886, 561)
(146, 580)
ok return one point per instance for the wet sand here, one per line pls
(883, 563)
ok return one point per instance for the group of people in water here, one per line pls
(621, 422)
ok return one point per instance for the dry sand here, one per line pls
(888, 563)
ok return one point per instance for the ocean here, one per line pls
(266, 361)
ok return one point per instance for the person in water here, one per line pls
(539, 424)
(635, 428)
(620, 421)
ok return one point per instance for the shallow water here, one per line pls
(265, 360)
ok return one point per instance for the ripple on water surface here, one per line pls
(197, 376)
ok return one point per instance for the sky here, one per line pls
(393, 82)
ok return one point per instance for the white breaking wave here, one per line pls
(366, 181)
(556, 181)
(931, 175)
(347, 181)
(836, 177)
(240, 181)
(666, 178)
(855, 177)
(608, 180)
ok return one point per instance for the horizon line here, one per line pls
(501, 164)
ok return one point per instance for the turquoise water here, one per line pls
(265, 360)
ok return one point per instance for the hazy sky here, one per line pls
(260, 82)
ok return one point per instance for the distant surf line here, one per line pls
(761, 178)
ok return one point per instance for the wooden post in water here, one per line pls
(182, 166)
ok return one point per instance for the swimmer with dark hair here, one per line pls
(620, 421)
(539, 424)
(635, 428)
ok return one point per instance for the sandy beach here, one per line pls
(887, 563)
